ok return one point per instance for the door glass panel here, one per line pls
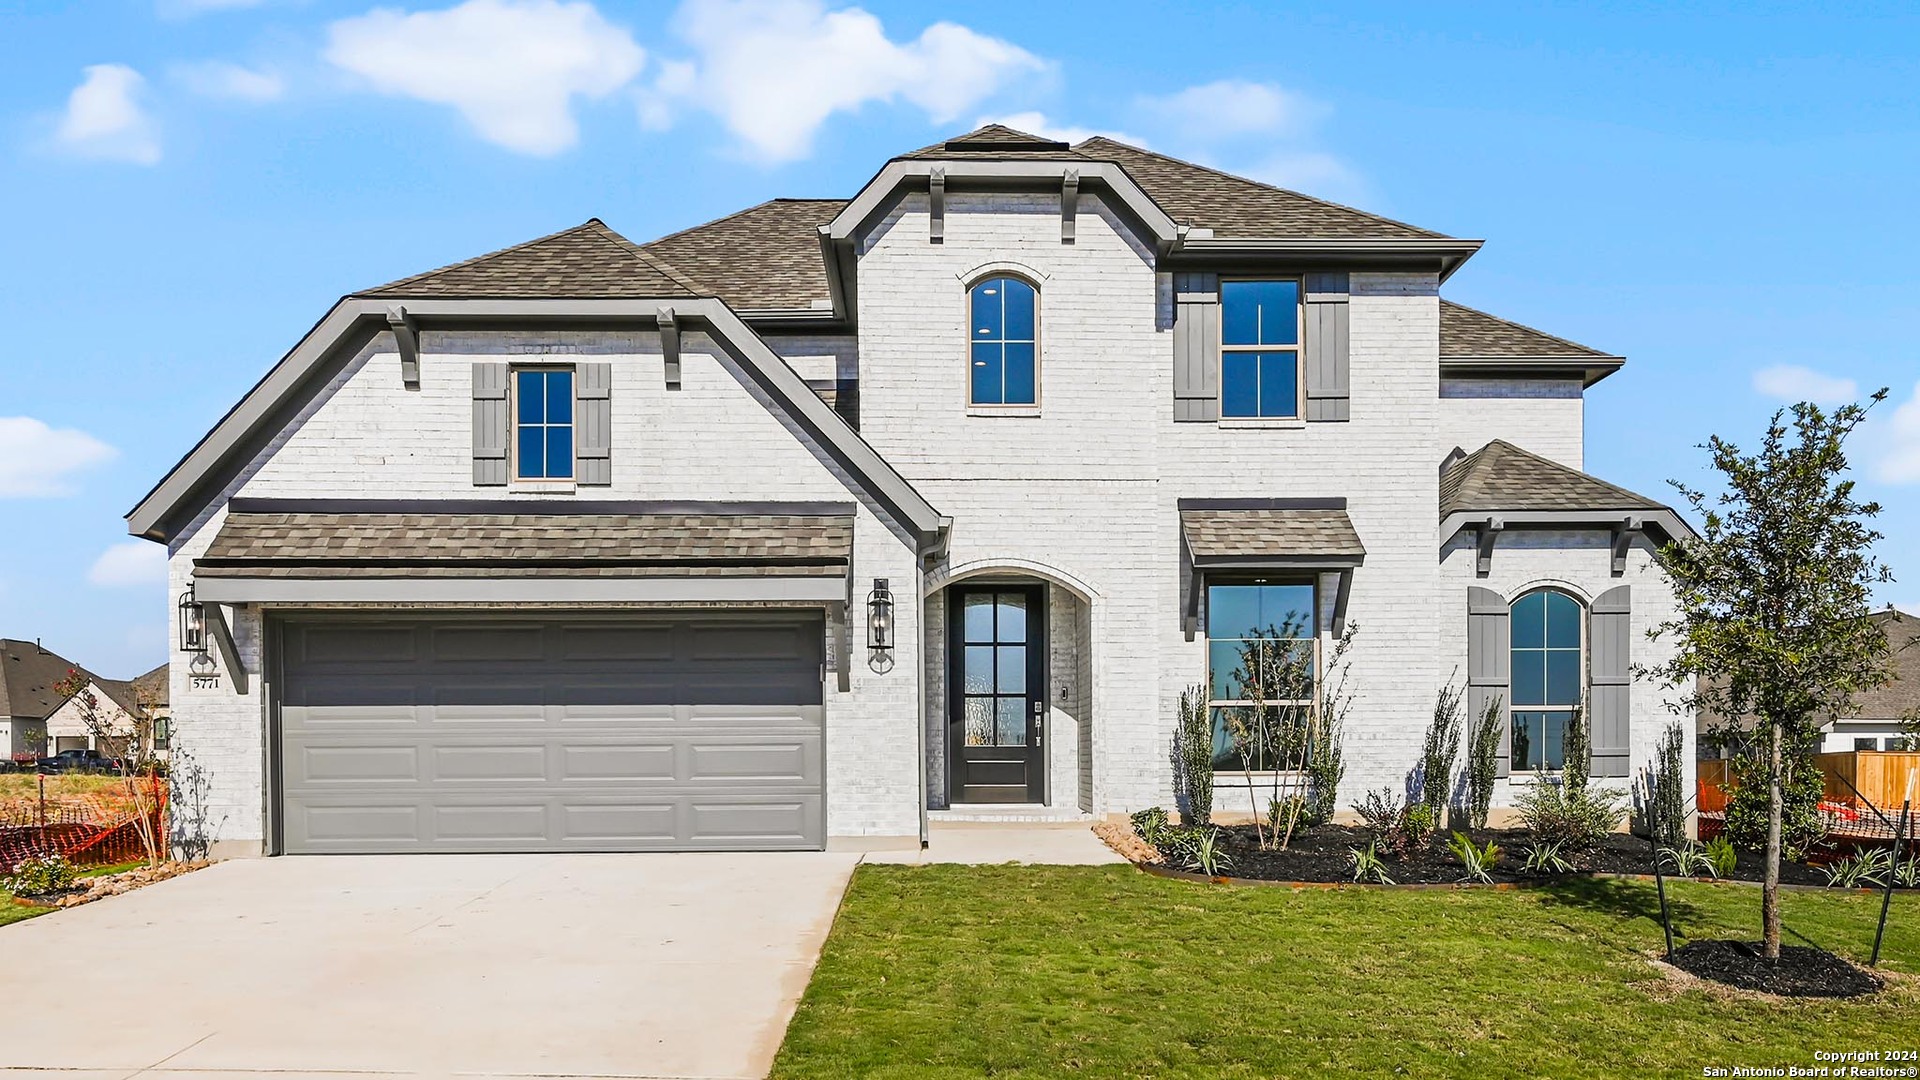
(977, 624)
(1013, 618)
(978, 677)
(1012, 669)
(1012, 713)
(979, 713)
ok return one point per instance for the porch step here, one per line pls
(1010, 813)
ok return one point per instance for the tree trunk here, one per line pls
(1770, 884)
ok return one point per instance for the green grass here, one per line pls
(11, 912)
(952, 971)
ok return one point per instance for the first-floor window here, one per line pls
(1261, 669)
(1549, 677)
(543, 423)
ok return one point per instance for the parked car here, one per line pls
(79, 761)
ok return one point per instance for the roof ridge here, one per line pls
(609, 234)
(1381, 218)
(1562, 466)
(424, 275)
(1444, 302)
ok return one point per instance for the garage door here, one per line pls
(555, 735)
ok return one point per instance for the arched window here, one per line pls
(1003, 321)
(1549, 676)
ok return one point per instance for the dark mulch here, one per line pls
(1320, 854)
(1800, 971)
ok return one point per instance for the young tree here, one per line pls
(107, 731)
(1773, 600)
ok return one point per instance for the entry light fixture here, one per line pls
(880, 617)
(193, 624)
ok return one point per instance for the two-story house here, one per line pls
(796, 527)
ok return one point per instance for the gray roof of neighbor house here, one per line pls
(586, 261)
(1501, 477)
(1270, 532)
(578, 543)
(29, 672)
(1900, 697)
(153, 688)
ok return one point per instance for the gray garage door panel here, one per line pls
(688, 734)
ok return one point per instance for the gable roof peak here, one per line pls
(587, 260)
(1002, 137)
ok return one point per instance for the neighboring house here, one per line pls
(36, 719)
(150, 693)
(793, 528)
(1884, 718)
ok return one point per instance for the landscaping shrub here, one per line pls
(1537, 858)
(1666, 790)
(1420, 821)
(1477, 862)
(39, 875)
(1442, 746)
(1380, 814)
(1151, 824)
(1368, 866)
(1193, 754)
(1860, 869)
(1801, 825)
(1483, 756)
(1326, 767)
(1575, 818)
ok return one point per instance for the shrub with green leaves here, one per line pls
(1483, 760)
(1380, 816)
(1440, 748)
(1420, 821)
(1206, 854)
(1802, 827)
(1537, 858)
(1721, 858)
(1576, 818)
(1907, 874)
(1151, 824)
(1666, 788)
(1476, 862)
(1368, 865)
(1193, 755)
(39, 875)
(1860, 870)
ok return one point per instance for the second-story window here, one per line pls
(1003, 322)
(543, 423)
(1260, 349)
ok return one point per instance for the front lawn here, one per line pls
(957, 971)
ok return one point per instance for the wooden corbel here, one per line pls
(936, 205)
(1069, 203)
(1484, 534)
(216, 622)
(407, 336)
(670, 346)
(1623, 542)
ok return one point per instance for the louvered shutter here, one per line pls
(593, 424)
(1326, 348)
(490, 428)
(1610, 681)
(1196, 347)
(1488, 656)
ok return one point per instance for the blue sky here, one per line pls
(1725, 195)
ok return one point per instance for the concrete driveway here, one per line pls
(496, 965)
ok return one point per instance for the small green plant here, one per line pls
(1685, 860)
(1368, 865)
(1538, 858)
(1483, 756)
(1666, 802)
(1721, 858)
(1280, 811)
(1575, 817)
(1907, 874)
(39, 875)
(1437, 754)
(1151, 824)
(1420, 821)
(1206, 854)
(1478, 862)
(1860, 869)
(1193, 754)
(1380, 815)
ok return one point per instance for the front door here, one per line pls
(997, 714)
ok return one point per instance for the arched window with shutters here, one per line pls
(1003, 351)
(1548, 672)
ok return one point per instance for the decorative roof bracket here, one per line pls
(1623, 534)
(1484, 534)
(937, 205)
(670, 346)
(1069, 203)
(407, 336)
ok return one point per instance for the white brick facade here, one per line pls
(1081, 493)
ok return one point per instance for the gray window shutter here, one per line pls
(490, 423)
(1326, 347)
(593, 424)
(1196, 347)
(1610, 680)
(1488, 654)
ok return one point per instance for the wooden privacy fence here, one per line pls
(1879, 776)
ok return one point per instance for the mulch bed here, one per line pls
(1800, 971)
(1320, 855)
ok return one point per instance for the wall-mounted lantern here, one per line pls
(880, 617)
(193, 624)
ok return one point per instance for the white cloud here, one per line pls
(511, 67)
(1791, 382)
(774, 71)
(1312, 171)
(232, 82)
(104, 117)
(131, 562)
(1036, 123)
(1900, 460)
(1230, 108)
(36, 460)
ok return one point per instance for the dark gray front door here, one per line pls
(997, 645)
(443, 735)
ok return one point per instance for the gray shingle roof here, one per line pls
(764, 257)
(1902, 696)
(1470, 334)
(586, 261)
(1501, 477)
(510, 544)
(1233, 206)
(1262, 533)
(999, 141)
(27, 675)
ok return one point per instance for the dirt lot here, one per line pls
(27, 786)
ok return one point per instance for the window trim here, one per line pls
(1312, 582)
(1586, 675)
(543, 483)
(1298, 348)
(1002, 408)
